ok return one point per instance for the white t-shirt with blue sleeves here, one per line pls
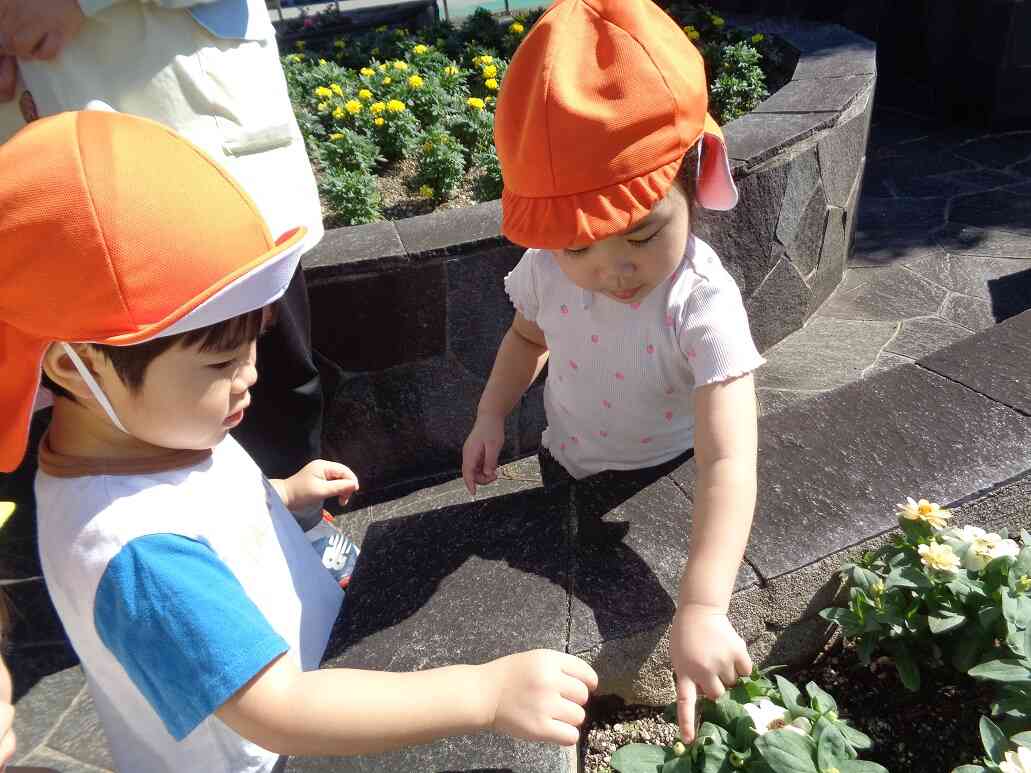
(621, 376)
(176, 587)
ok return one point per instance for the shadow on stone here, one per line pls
(1010, 294)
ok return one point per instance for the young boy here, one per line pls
(137, 275)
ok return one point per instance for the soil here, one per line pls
(930, 731)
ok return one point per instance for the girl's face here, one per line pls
(628, 266)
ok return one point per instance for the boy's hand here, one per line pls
(480, 452)
(708, 657)
(38, 29)
(318, 481)
(539, 695)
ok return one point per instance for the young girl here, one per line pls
(648, 342)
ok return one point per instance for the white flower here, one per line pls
(766, 716)
(1017, 762)
(930, 513)
(938, 557)
(979, 547)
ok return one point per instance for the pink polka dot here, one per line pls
(606, 403)
(669, 415)
(647, 440)
(620, 376)
(669, 320)
(562, 446)
(691, 354)
(564, 309)
(650, 349)
(594, 339)
(575, 439)
(670, 390)
(635, 306)
(573, 365)
(603, 433)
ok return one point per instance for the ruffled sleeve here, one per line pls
(714, 332)
(521, 285)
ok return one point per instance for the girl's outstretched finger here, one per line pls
(743, 662)
(687, 696)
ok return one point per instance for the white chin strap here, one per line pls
(94, 387)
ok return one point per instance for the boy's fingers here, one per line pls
(573, 689)
(49, 47)
(578, 669)
(561, 733)
(687, 695)
(712, 687)
(490, 458)
(743, 662)
(470, 461)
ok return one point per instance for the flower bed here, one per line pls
(401, 123)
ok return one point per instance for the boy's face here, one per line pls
(628, 266)
(189, 399)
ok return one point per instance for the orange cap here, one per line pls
(599, 106)
(115, 230)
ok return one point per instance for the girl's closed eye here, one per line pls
(642, 242)
(222, 365)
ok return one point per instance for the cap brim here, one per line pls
(714, 184)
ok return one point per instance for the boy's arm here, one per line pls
(520, 358)
(93, 7)
(707, 653)
(536, 695)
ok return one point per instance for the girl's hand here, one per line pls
(480, 452)
(538, 695)
(708, 657)
(318, 481)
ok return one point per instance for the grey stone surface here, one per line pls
(380, 320)
(827, 49)
(995, 362)
(407, 422)
(894, 168)
(80, 735)
(972, 313)
(831, 269)
(884, 294)
(898, 243)
(968, 274)
(39, 711)
(775, 400)
(50, 760)
(754, 139)
(747, 231)
(886, 361)
(867, 444)
(803, 213)
(998, 150)
(342, 251)
(824, 354)
(1002, 210)
(452, 231)
(961, 239)
(921, 336)
(822, 95)
(952, 184)
(479, 312)
(779, 306)
(841, 154)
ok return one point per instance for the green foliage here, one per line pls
(999, 750)
(352, 194)
(441, 163)
(738, 85)
(348, 149)
(801, 733)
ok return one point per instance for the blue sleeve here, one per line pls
(182, 626)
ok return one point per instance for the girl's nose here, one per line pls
(246, 377)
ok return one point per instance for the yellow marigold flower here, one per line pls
(381, 28)
(929, 512)
(323, 61)
(396, 106)
(365, 95)
(475, 103)
(377, 107)
(491, 83)
(387, 81)
(295, 58)
(299, 45)
(323, 107)
(717, 21)
(399, 65)
(375, 51)
(451, 70)
(323, 93)
(338, 44)
(415, 81)
(420, 49)
(427, 146)
(426, 192)
(336, 136)
(383, 67)
(400, 32)
(488, 99)
(338, 113)
(486, 59)
(490, 71)
(335, 88)
(758, 37)
(517, 28)
(368, 72)
(353, 106)
(377, 121)
(692, 33)
(941, 558)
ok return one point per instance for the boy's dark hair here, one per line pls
(131, 362)
(685, 178)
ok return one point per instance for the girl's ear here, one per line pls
(62, 371)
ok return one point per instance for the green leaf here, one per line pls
(861, 766)
(722, 711)
(790, 695)
(968, 649)
(1002, 670)
(714, 759)
(906, 666)
(907, 577)
(942, 621)
(831, 748)
(865, 649)
(786, 752)
(1022, 739)
(857, 738)
(824, 702)
(864, 578)
(1016, 608)
(994, 740)
(638, 758)
(841, 616)
(988, 616)
(1022, 564)
(678, 765)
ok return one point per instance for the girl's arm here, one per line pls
(520, 357)
(707, 653)
(538, 695)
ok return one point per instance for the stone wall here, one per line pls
(408, 315)
(966, 60)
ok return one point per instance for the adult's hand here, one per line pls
(38, 29)
(8, 77)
